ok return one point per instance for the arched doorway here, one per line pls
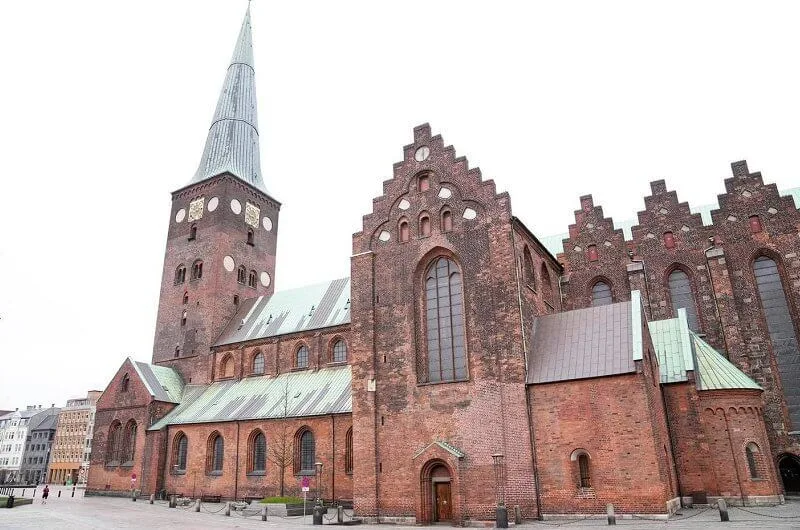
(437, 494)
(789, 467)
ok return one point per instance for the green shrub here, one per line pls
(282, 500)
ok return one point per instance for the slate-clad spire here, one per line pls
(232, 143)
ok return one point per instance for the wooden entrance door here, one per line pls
(444, 508)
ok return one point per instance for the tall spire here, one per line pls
(232, 142)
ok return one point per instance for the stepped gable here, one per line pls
(583, 269)
(466, 190)
(664, 213)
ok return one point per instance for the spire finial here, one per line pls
(232, 144)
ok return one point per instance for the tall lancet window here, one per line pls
(680, 292)
(444, 319)
(781, 331)
(601, 294)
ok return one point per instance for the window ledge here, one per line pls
(433, 383)
(126, 464)
(299, 368)
(337, 363)
(214, 474)
(757, 479)
(305, 473)
(178, 472)
(257, 474)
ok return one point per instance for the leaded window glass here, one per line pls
(218, 454)
(339, 351)
(444, 312)
(601, 294)
(258, 363)
(302, 357)
(680, 291)
(259, 452)
(183, 446)
(307, 451)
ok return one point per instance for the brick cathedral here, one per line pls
(465, 359)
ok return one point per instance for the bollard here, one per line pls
(612, 517)
(339, 514)
(723, 510)
(10, 501)
(317, 520)
(517, 514)
(23, 492)
(197, 505)
(73, 491)
(173, 503)
(34, 493)
(501, 516)
(264, 513)
(152, 498)
(59, 494)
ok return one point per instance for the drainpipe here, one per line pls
(236, 475)
(531, 428)
(333, 458)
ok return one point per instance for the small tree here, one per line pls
(280, 450)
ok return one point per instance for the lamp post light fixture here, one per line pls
(318, 468)
(500, 491)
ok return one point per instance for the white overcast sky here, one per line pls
(104, 109)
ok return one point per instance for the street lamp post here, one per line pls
(318, 510)
(500, 491)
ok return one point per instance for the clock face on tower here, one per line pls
(251, 215)
(196, 209)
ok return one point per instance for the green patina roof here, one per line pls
(680, 350)
(163, 383)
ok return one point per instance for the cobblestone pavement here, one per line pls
(99, 512)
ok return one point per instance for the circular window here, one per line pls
(445, 193)
(470, 214)
(422, 153)
(404, 205)
(228, 263)
(265, 279)
(236, 207)
(213, 203)
(267, 222)
(180, 216)
(384, 236)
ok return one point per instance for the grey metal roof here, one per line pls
(591, 342)
(294, 394)
(310, 307)
(232, 142)
(163, 383)
(46, 419)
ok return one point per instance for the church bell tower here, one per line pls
(223, 230)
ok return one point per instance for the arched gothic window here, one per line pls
(250, 238)
(304, 451)
(669, 240)
(781, 331)
(680, 292)
(185, 297)
(591, 253)
(424, 226)
(180, 447)
(348, 451)
(112, 444)
(583, 469)
(547, 285)
(339, 351)
(527, 267)
(241, 275)
(251, 279)
(129, 443)
(180, 274)
(257, 455)
(193, 233)
(258, 363)
(227, 367)
(751, 452)
(601, 294)
(126, 381)
(444, 319)
(215, 452)
(424, 183)
(301, 358)
(197, 270)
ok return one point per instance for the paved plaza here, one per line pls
(99, 512)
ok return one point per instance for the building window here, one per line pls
(669, 240)
(591, 253)
(227, 367)
(447, 221)
(348, 451)
(583, 468)
(193, 233)
(404, 232)
(527, 268)
(250, 237)
(185, 297)
(304, 452)
(424, 183)
(339, 351)
(781, 331)
(257, 455)
(258, 363)
(112, 444)
(236, 299)
(125, 383)
(180, 274)
(601, 294)
(129, 443)
(547, 285)
(241, 275)
(680, 292)
(183, 319)
(251, 279)
(755, 224)
(197, 270)
(301, 357)
(424, 226)
(751, 451)
(215, 452)
(177, 351)
(444, 317)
